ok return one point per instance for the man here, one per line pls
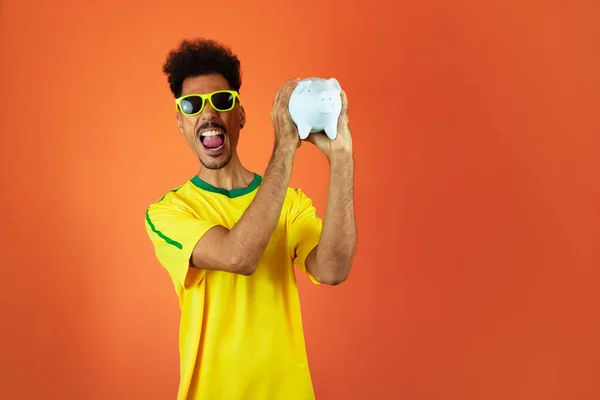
(229, 237)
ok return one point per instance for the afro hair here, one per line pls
(195, 57)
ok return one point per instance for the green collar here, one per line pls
(229, 193)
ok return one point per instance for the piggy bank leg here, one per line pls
(331, 130)
(304, 130)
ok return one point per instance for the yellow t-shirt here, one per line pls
(241, 337)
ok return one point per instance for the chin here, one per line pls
(215, 162)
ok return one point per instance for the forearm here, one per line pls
(337, 244)
(251, 234)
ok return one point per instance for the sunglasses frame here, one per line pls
(204, 97)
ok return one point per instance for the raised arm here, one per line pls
(239, 250)
(330, 262)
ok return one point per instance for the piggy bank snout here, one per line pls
(326, 102)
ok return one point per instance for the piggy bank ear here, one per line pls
(335, 84)
(302, 85)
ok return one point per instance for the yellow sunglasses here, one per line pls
(193, 104)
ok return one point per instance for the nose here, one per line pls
(208, 113)
(326, 102)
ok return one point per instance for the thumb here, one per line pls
(314, 138)
(319, 139)
(310, 138)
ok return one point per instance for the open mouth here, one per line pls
(212, 140)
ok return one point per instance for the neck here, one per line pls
(233, 176)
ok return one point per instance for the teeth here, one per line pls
(211, 133)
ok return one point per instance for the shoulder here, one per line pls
(297, 201)
(169, 211)
(176, 198)
(295, 194)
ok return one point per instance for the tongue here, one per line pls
(212, 142)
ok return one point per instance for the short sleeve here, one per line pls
(174, 233)
(304, 230)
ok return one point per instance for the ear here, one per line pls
(179, 123)
(242, 117)
(335, 84)
(302, 85)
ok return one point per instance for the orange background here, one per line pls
(477, 139)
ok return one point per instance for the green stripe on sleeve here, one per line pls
(160, 234)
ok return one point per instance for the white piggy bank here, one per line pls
(315, 105)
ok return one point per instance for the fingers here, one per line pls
(285, 91)
(280, 115)
(282, 98)
(277, 95)
(344, 103)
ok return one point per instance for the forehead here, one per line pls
(204, 84)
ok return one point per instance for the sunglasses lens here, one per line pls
(222, 101)
(191, 104)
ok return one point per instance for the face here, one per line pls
(212, 135)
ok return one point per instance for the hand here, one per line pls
(342, 144)
(286, 132)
